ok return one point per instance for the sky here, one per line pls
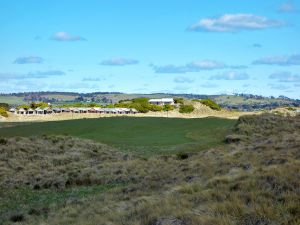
(132, 46)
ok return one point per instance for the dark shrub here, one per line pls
(178, 100)
(3, 141)
(233, 138)
(18, 217)
(182, 155)
(211, 104)
(4, 105)
(186, 109)
(168, 107)
(3, 112)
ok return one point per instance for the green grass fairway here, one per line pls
(146, 136)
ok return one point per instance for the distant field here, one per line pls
(14, 100)
(146, 136)
(61, 97)
(238, 100)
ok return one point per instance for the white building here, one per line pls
(13, 110)
(22, 111)
(162, 101)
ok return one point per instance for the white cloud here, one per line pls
(231, 75)
(285, 77)
(195, 66)
(11, 76)
(29, 60)
(44, 74)
(119, 62)
(235, 23)
(257, 45)
(279, 86)
(63, 36)
(183, 80)
(35, 74)
(287, 60)
(287, 7)
(205, 65)
(92, 79)
(209, 85)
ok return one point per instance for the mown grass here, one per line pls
(145, 136)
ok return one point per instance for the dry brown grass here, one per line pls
(253, 181)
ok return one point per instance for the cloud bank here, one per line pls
(44, 74)
(119, 62)
(29, 60)
(63, 36)
(235, 23)
(287, 7)
(36, 74)
(285, 77)
(195, 66)
(231, 75)
(288, 60)
(183, 80)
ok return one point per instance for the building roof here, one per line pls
(161, 100)
(39, 109)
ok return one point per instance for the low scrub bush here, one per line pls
(186, 109)
(155, 108)
(3, 112)
(3, 141)
(35, 105)
(142, 105)
(179, 100)
(211, 104)
(168, 107)
(182, 155)
(291, 108)
(24, 107)
(5, 106)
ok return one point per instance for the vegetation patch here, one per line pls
(179, 100)
(3, 112)
(186, 109)
(254, 180)
(4, 106)
(211, 104)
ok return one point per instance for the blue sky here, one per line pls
(131, 46)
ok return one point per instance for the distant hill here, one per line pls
(243, 102)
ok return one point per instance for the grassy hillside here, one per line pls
(59, 98)
(145, 136)
(239, 100)
(61, 180)
(12, 100)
